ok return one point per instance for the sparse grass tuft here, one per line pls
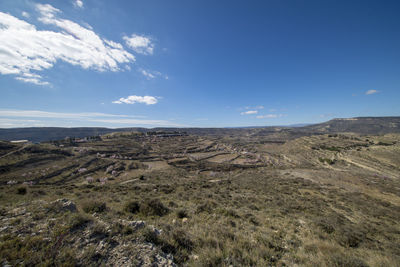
(91, 206)
(78, 221)
(153, 207)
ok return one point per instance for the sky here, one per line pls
(206, 63)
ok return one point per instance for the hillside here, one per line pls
(360, 125)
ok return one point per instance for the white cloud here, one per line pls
(30, 118)
(24, 50)
(132, 99)
(269, 116)
(253, 107)
(134, 121)
(140, 44)
(249, 112)
(370, 92)
(32, 78)
(56, 115)
(78, 3)
(147, 74)
(152, 74)
(25, 14)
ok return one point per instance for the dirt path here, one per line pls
(370, 168)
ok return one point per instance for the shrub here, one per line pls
(151, 236)
(182, 214)
(33, 251)
(91, 206)
(99, 230)
(331, 148)
(78, 220)
(326, 225)
(329, 161)
(384, 144)
(21, 190)
(341, 260)
(154, 207)
(132, 207)
(207, 206)
(183, 240)
(127, 230)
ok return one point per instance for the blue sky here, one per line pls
(196, 63)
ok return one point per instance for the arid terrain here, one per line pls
(256, 197)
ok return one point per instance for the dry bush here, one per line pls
(153, 207)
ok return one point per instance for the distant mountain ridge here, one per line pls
(360, 125)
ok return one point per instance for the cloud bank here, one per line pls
(25, 50)
(38, 118)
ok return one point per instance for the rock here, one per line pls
(134, 224)
(81, 170)
(185, 220)
(155, 230)
(109, 169)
